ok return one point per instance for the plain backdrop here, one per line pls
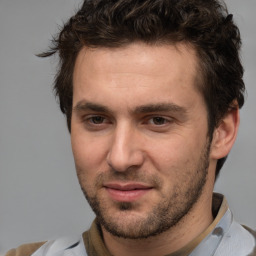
(40, 197)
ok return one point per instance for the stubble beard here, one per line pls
(164, 215)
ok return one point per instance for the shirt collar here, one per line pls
(94, 243)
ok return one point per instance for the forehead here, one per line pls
(139, 71)
(142, 56)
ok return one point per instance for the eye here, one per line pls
(158, 120)
(95, 122)
(96, 119)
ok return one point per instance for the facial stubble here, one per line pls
(163, 216)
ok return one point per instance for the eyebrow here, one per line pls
(147, 108)
(160, 107)
(85, 106)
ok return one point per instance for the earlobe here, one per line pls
(225, 134)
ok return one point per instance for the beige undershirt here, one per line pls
(95, 246)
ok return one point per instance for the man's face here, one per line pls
(139, 136)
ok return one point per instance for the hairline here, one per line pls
(200, 79)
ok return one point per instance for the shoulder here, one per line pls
(72, 244)
(238, 241)
(25, 250)
(253, 232)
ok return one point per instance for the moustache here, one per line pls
(128, 176)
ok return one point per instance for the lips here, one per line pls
(126, 192)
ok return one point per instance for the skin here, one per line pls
(140, 141)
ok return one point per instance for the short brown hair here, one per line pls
(204, 24)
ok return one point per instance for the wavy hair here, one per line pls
(206, 25)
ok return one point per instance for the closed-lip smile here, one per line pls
(126, 192)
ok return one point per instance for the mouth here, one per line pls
(126, 192)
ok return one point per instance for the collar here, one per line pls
(95, 246)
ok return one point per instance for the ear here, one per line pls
(224, 135)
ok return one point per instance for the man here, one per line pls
(151, 91)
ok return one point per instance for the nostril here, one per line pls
(121, 162)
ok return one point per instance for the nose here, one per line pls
(126, 151)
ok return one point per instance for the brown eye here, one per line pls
(158, 120)
(97, 119)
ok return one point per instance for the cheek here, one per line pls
(89, 154)
(174, 157)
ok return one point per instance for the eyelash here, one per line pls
(92, 123)
(92, 120)
(159, 119)
(95, 119)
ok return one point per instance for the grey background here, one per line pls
(40, 197)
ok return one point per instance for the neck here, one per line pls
(190, 227)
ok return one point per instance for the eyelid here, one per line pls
(88, 124)
(167, 119)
